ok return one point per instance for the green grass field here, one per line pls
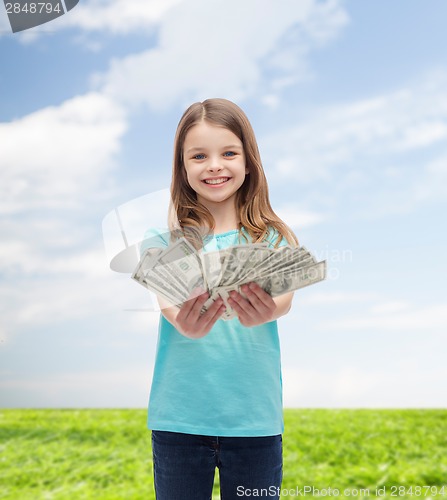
(106, 454)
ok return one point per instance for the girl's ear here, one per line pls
(247, 171)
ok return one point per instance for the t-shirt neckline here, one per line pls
(226, 233)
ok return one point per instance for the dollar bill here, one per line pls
(183, 265)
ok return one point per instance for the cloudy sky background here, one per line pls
(349, 103)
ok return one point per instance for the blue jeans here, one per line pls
(184, 466)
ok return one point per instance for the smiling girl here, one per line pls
(216, 396)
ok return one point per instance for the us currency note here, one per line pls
(183, 264)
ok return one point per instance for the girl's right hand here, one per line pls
(189, 320)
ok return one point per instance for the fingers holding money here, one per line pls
(256, 309)
(190, 320)
(174, 271)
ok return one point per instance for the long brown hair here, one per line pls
(253, 207)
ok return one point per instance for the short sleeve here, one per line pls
(155, 238)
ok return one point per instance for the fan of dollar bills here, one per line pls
(177, 270)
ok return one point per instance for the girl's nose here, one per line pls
(214, 166)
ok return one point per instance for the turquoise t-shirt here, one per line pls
(227, 383)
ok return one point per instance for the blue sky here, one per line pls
(349, 103)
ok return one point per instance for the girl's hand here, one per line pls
(256, 309)
(191, 323)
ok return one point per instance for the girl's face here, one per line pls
(215, 163)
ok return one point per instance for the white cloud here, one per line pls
(401, 121)
(117, 16)
(271, 100)
(56, 270)
(59, 292)
(50, 158)
(394, 316)
(308, 387)
(355, 387)
(422, 134)
(365, 150)
(127, 388)
(439, 167)
(52, 161)
(144, 321)
(319, 298)
(299, 218)
(433, 185)
(391, 306)
(221, 48)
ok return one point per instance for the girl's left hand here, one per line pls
(256, 309)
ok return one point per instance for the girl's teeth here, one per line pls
(216, 181)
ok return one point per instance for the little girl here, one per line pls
(216, 396)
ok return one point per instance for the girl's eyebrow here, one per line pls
(231, 146)
(194, 149)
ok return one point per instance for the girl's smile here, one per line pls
(216, 181)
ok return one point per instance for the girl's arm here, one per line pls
(283, 304)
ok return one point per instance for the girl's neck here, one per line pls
(224, 228)
(224, 215)
(223, 223)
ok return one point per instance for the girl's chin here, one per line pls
(208, 198)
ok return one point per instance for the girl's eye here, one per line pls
(229, 153)
(199, 157)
